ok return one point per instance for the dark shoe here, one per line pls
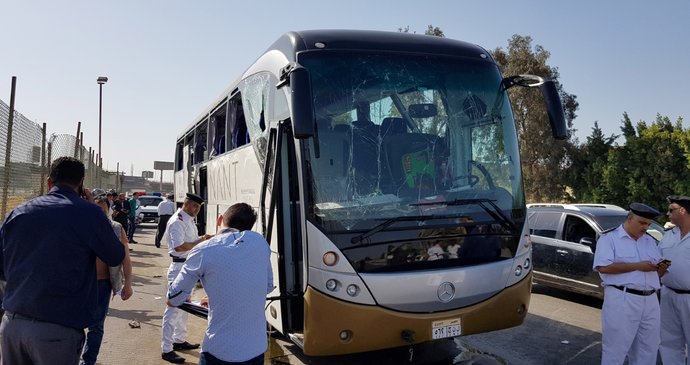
(185, 346)
(172, 357)
(158, 245)
(133, 241)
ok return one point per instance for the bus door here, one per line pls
(201, 189)
(280, 224)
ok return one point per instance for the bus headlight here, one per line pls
(352, 290)
(330, 258)
(518, 270)
(526, 264)
(332, 284)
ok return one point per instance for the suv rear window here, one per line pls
(544, 224)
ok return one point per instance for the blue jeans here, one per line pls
(94, 336)
(206, 358)
(131, 227)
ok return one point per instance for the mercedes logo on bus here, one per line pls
(446, 292)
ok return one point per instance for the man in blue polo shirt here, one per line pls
(48, 259)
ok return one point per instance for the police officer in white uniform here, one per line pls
(675, 293)
(182, 235)
(629, 263)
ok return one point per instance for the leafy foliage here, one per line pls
(653, 163)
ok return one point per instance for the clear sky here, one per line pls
(168, 60)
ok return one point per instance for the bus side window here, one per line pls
(218, 145)
(200, 152)
(240, 136)
(179, 152)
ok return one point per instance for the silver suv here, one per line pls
(564, 239)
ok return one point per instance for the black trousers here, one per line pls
(124, 221)
(160, 230)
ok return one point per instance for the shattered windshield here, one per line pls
(402, 135)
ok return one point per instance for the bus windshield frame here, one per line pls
(400, 139)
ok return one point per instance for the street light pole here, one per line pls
(101, 80)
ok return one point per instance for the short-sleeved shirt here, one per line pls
(677, 249)
(118, 207)
(48, 257)
(235, 270)
(618, 247)
(180, 229)
(166, 207)
(133, 206)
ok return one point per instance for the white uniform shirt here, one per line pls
(180, 229)
(235, 270)
(166, 207)
(677, 249)
(617, 247)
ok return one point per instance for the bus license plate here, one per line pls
(446, 328)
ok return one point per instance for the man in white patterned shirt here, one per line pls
(235, 270)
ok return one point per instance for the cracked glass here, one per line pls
(415, 160)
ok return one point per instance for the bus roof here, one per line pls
(291, 43)
(294, 42)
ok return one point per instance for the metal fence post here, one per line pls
(43, 159)
(8, 150)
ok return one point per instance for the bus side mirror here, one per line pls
(302, 113)
(554, 109)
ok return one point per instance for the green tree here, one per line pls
(588, 163)
(653, 163)
(544, 159)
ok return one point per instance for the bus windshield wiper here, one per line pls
(380, 227)
(489, 206)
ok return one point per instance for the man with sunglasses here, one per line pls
(675, 294)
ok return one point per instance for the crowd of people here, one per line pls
(65, 254)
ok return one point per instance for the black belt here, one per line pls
(178, 259)
(634, 291)
(679, 291)
(14, 315)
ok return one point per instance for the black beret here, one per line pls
(195, 198)
(644, 210)
(681, 200)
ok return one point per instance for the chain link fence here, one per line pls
(26, 154)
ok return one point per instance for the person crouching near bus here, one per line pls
(181, 235)
(629, 263)
(235, 270)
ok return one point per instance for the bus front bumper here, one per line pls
(334, 327)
